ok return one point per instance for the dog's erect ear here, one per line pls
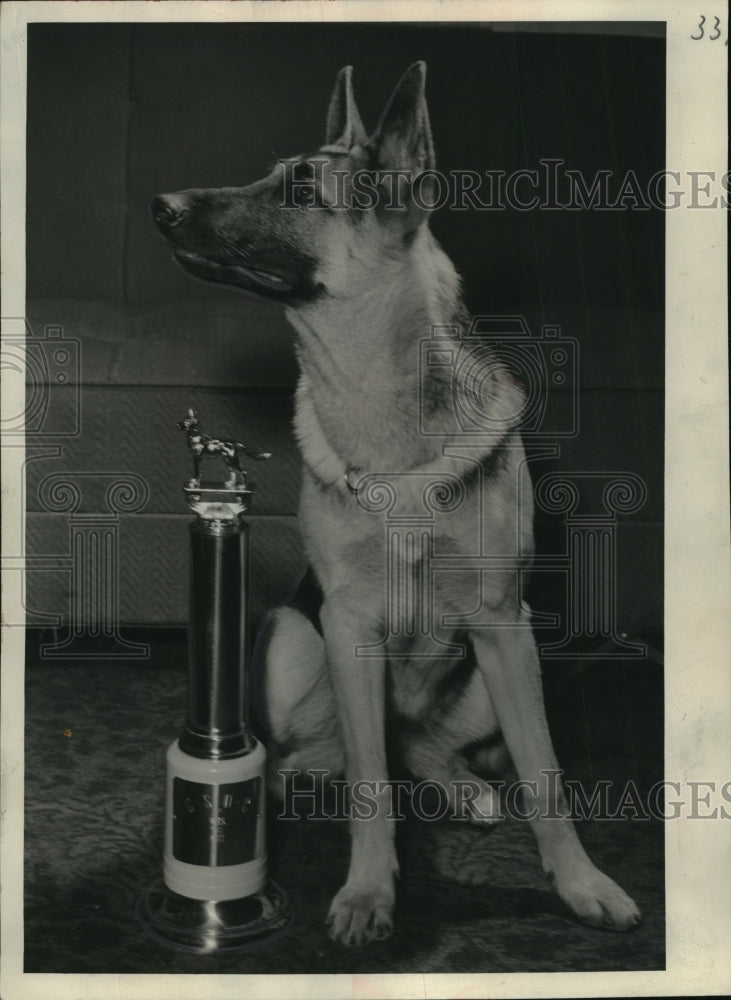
(403, 139)
(344, 125)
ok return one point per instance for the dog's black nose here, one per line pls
(168, 210)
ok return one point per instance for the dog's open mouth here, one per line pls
(237, 275)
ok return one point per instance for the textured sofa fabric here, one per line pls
(118, 113)
(143, 367)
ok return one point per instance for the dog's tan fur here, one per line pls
(382, 284)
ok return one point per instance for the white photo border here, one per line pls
(697, 552)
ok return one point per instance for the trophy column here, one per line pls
(216, 893)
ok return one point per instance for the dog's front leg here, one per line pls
(362, 910)
(508, 659)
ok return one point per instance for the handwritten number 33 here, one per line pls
(716, 28)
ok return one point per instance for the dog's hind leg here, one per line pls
(450, 749)
(295, 699)
(508, 660)
(467, 795)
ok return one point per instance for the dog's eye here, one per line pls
(302, 180)
(302, 193)
(305, 176)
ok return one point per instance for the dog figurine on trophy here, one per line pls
(203, 445)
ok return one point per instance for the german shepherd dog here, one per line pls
(363, 282)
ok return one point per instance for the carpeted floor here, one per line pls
(470, 899)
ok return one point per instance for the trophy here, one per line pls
(216, 894)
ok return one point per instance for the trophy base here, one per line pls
(202, 927)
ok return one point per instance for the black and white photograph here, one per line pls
(365, 500)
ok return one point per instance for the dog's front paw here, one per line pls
(597, 900)
(358, 916)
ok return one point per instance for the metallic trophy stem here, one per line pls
(216, 894)
(218, 642)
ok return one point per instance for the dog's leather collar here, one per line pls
(345, 482)
(354, 474)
